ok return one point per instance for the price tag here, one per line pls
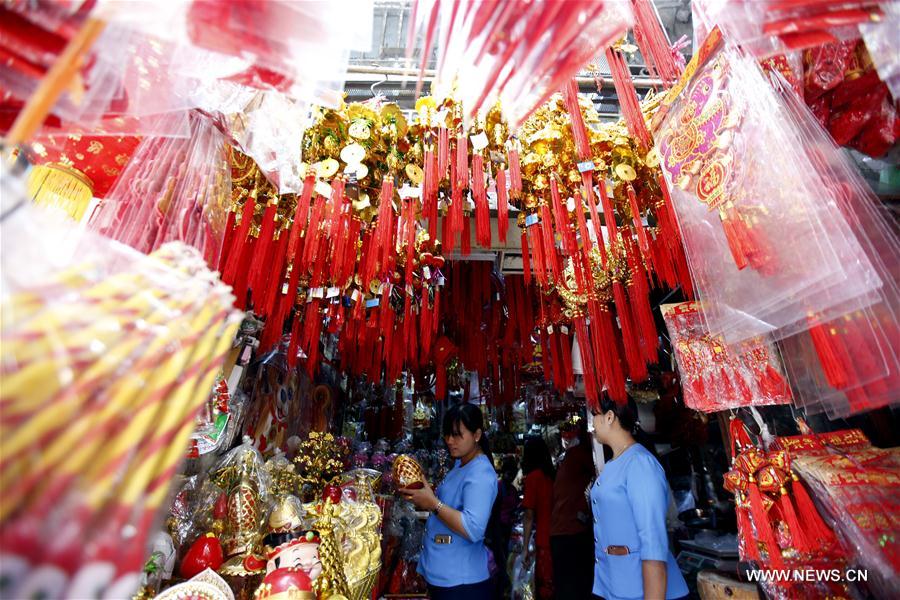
(356, 295)
(585, 166)
(323, 189)
(333, 291)
(550, 329)
(479, 141)
(426, 272)
(373, 302)
(531, 219)
(570, 204)
(564, 329)
(318, 292)
(407, 191)
(441, 280)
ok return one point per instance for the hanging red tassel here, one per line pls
(816, 528)
(515, 168)
(262, 252)
(430, 191)
(272, 286)
(526, 258)
(628, 100)
(502, 205)
(462, 161)
(798, 537)
(294, 344)
(536, 246)
(763, 525)
(337, 206)
(229, 273)
(228, 240)
(443, 153)
(614, 373)
(653, 43)
(643, 241)
(588, 368)
(745, 529)
(835, 370)
(466, 236)
(637, 368)
(243, 272)
(582, 260)
(639, 294)
(311, 239)
(551, 255)
(482, 210)
(382, 248)
(609, 216)
(561, 218)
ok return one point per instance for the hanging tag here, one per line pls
(550, 329)
(356, 295)
(570, 204)
(373, 302)
(479, 141)
(585, 166)
(564, 329)
(333, 291)
(409, 289)
(323, 189)
(531, 219)
(407, 191)
(441, 280)
(318, 292)
(426, 272)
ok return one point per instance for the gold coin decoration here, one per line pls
(415, 173)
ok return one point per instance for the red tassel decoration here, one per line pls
(587, 363)
(443, 153)
(430, 192)
(502, 205)
(228, 240)
(337, 206)
(526, 258)
(763, 525)
(382, 248)
(515, 169)
(561, 217)
(637, 368)
(462, 161)
(311, 239)
(745, 530)
(482, 210)
(638, 224)
(230, 271)
(466, 237)
(272, 286)
(829, 356)
(262, 253)
(609, 216)
(628, 100)
(816, 528)
(653, 43)
(551, 255)
(535, 244)
(639, 294)
(798, 537)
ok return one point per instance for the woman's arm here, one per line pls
(654, 575)
(425, 499)
(528, 523)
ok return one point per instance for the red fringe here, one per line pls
(816, 529)
(587, 363)
(466, 237)
(430, 192)
(628, 100)
(311, 239)
(272, 286)
(243, 272)
(228, 240)
(798, 537)
(515, 170)
(551, 255)
(526, 258)
(229, 273)
(502, 205)
(638, 224)
(745, 531)
(830, 357)
(583, 271)
(609, 216)
(482, 210)
(653, 43)
(262, 255)
(462, 161)
(639, 293)
(561, 217)
(637, 368)
(337, 206)
(443, 153)
(587, 185)
(764, 527)
(537, 248)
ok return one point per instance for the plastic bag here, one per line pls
(715, 376)
(764, 247)
(95, 337)
(516, 52)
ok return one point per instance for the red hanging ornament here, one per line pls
(443, 153)
(654, 44)
(262, 253)
(229, 273)
(526, 257)
(466, 236)
(502, 205)
(515, 168)
(482, 210)
(551, 255)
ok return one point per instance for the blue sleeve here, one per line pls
(478, 495)
(648, 494)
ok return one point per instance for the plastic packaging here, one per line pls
(881, 41)
(765, 248)
(172, 189)
(715, 376)
(94, 337)
(516, 52)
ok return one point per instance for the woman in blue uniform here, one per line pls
(629, 502)
(454, 559)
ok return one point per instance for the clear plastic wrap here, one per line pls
(768, 27)
(857, 485)
(764, 246)
(516, 52)
(715, 376)
(884, 47)
(105, 356)
(172, 189)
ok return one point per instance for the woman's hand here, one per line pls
(423, 498)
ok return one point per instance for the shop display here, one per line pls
(238, 302)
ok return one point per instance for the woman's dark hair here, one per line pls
(537, 456)
(471, 417)
(626, 412)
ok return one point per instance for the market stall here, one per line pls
(238, 306)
